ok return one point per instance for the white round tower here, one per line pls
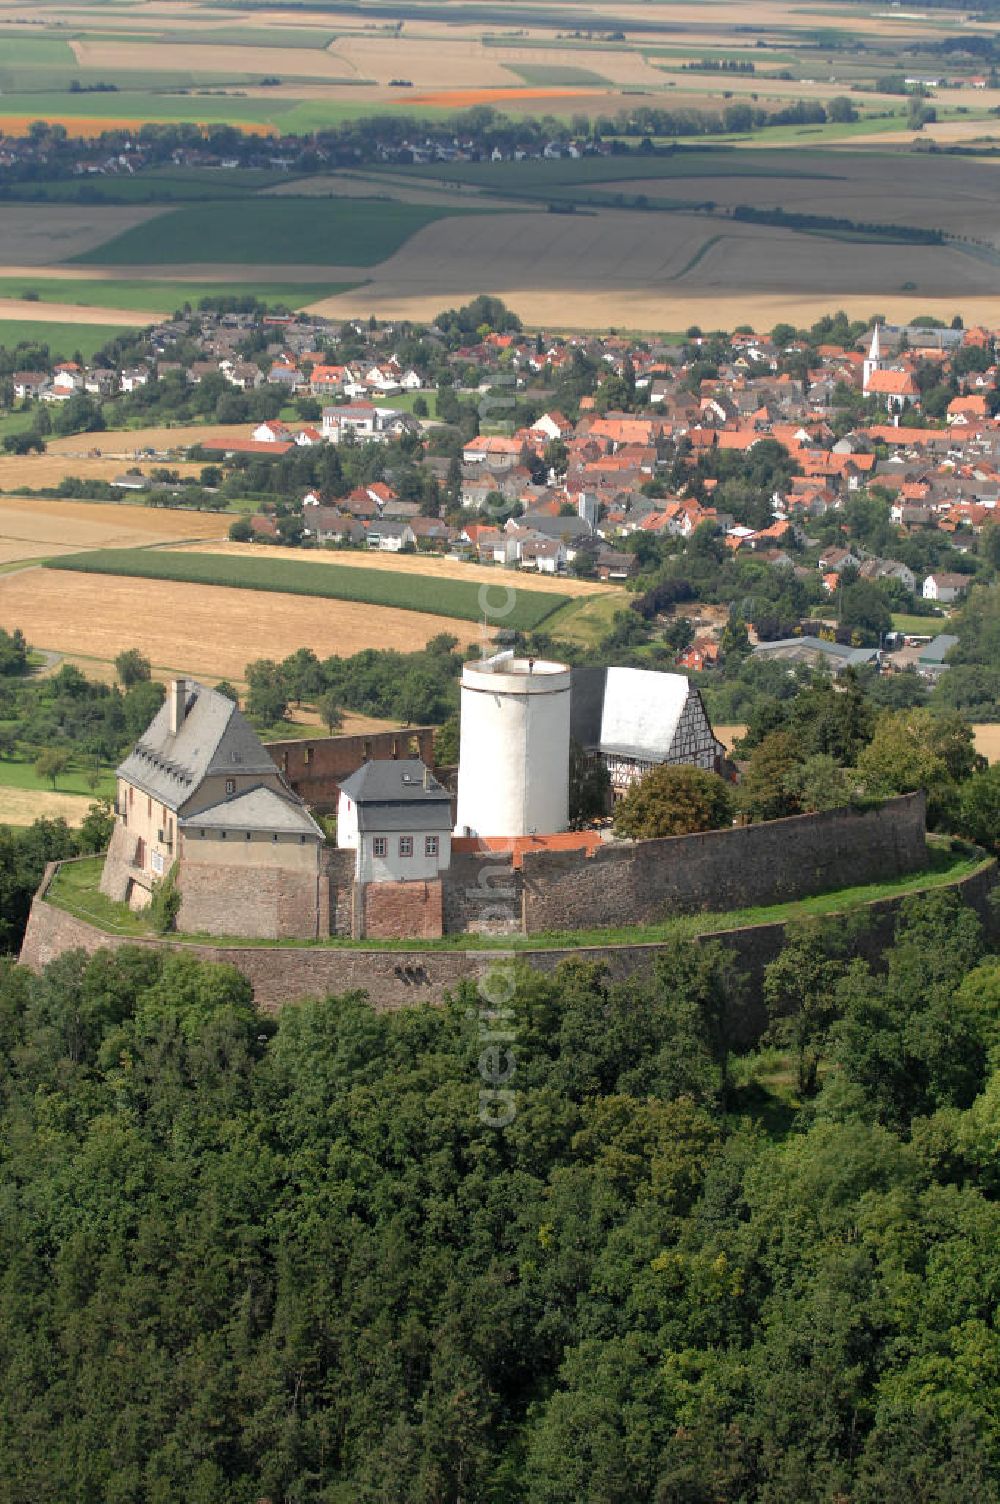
(513, 774)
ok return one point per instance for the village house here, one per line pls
(944, 587)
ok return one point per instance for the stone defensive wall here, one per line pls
(641, 882)
(401, 977)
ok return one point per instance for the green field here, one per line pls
(165, 185)
(63, 340)
(155, 296)
(373, 587)
(22, 775)
(139, 104)
(922, 626)
(20, 51)
(271, 232)
(586, 620)
(555, 76)
(236, 36)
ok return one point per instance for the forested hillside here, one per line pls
(246, 1260)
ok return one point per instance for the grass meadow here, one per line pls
(63, 340)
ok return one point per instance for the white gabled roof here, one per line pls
(641, 711)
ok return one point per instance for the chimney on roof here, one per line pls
(177, 695)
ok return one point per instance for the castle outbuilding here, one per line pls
(397, 818)
(199, 793)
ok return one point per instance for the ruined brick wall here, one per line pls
(340, 879)
(316, 768)
(641, 882)
(402, 911)
(482, 895)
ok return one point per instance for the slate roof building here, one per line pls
(200, 797)
(397, 818)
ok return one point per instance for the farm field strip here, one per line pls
(273, 232)
(126, 443)
(413, 593)
(25, 806)
(101, 294)
(202, 630)
(63, 338)
(32, 527)
(428, 566)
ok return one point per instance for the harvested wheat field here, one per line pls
(37, 234)
(430, 565)
(382, 185)
(74, 313)
(24, 806)
(125, 443)
(36, 471)
(209, 57)
(426, 62)
(30, 528)
(987, 735)
(201, 629)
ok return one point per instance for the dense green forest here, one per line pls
(245, 1259)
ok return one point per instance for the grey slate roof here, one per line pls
(390, 795)
(214, 739)
(258, 809)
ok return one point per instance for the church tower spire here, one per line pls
(873, 362)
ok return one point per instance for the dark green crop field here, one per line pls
(270, 232)
(373, 587)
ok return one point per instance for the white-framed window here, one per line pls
(230, 785)
(379, 845)
(156, 860)
(406, 845)
(430, 846)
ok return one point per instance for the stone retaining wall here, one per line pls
(395, 978)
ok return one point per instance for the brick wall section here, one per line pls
(482, 895)
(644, 881)
(315, 769)
(265, 903)
(340, 883)
(397, 978)
(402, 911)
